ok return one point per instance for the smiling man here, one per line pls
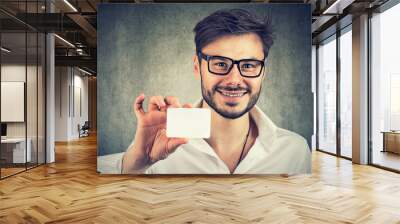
(231, 54)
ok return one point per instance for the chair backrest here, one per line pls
(86, 125)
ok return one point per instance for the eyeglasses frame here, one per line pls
(206, 57)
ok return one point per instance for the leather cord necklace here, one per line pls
(244, 146)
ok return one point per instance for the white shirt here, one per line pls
(275, 151)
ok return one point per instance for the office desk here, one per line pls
(15, 148)
(391, 141)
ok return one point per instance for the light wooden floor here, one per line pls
(387, 159)
(70, 191)
(5, 172)
(10, 171)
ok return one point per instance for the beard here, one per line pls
(208, 96)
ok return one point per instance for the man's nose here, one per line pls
(234, 75)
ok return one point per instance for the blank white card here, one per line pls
(188, 122)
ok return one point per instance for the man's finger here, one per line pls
(187, 105)
(138, 105)
(156, 103)
(172, 101)
(174, 143)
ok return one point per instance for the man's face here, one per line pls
(231, 95)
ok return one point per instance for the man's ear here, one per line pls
(196, 67)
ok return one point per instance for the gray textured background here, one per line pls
(149, 47)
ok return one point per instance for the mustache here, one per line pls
(231, 88)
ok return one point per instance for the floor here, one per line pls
(387, 159)
(9, 170)
(70, 191)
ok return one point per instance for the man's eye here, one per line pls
(248, 66)
(221, 64)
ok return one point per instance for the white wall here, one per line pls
(70, 83)
(62, 81)
(33, 127)
(13, 72)
(16, 73)
(10, 73)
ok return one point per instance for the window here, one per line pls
(385, 88)
(327, 96)
(346, 93)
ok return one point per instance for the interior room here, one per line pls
(53, 170)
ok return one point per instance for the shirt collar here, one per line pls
(266, 130)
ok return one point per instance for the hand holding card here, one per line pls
(151, 143)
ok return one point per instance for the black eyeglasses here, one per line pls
(219, 65)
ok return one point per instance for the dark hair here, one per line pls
(232, 22)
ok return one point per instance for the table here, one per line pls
(391, 141)
(16, 147)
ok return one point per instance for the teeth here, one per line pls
(233, 93)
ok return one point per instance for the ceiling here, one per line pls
(76, 22)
